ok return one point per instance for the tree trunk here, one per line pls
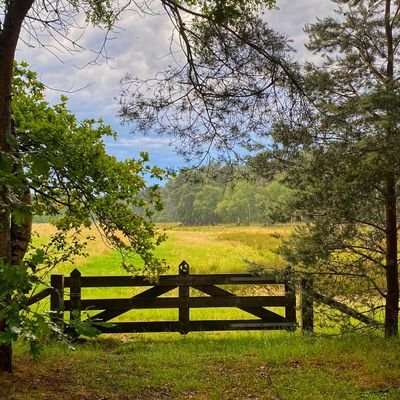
(5, 215)
(392, 272)
(9, 35)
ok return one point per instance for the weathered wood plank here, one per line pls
(197, 326)
(174, 302)
(240, 325)
(57, 300)
(123, 281)
(153, 326)
(39, 296)
(307, 305)
(237, 301)
(290, 294)
(233, 279)
(173, 280)
(75, 295)
(149, 293)
(329, 301)
(184, 310)
(125, 305)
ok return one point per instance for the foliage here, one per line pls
(228, 12)
(74, 181)
(195, 199)
(19, 282)
(221, 103)
(344, 162)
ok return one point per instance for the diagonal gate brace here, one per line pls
(259, 312)
(152, 292)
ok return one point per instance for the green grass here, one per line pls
(248, 365)
(203, 366)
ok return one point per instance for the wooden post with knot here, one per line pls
(184, 311)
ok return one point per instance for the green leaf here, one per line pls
(5, 163)
(85, 328)
(40, 166)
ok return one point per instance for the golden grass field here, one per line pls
(215, 249)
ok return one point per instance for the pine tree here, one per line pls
(345, 159)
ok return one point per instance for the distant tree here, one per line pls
(273, 202)
(205, 204)
(196, 198)
(344, 162)
(238, 205)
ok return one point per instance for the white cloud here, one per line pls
(293, 15)
(161, 152)
(140, 143)
(140, 47)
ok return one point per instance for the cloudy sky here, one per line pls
(139, 46)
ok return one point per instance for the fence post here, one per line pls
(57, 300)
(184, 312)
(75, 295)
(290, 294)
(307, 305)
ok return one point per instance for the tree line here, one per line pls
(193, 198)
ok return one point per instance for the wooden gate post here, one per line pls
(290, 294)
(184, 312)
(75, 295)
(57, 300)
(307, 305)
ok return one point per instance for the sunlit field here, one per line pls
(216, 249)
(207, 365)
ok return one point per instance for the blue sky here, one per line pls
(140, 46)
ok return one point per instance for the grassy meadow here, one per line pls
(202, 366)
(215, 249)
(220, 249)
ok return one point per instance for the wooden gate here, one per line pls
(212, 296)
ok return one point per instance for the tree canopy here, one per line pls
(71, 176)
(194, 198)
(61, 169)
(343, 161)
(221, 103)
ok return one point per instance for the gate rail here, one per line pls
(149, 299)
